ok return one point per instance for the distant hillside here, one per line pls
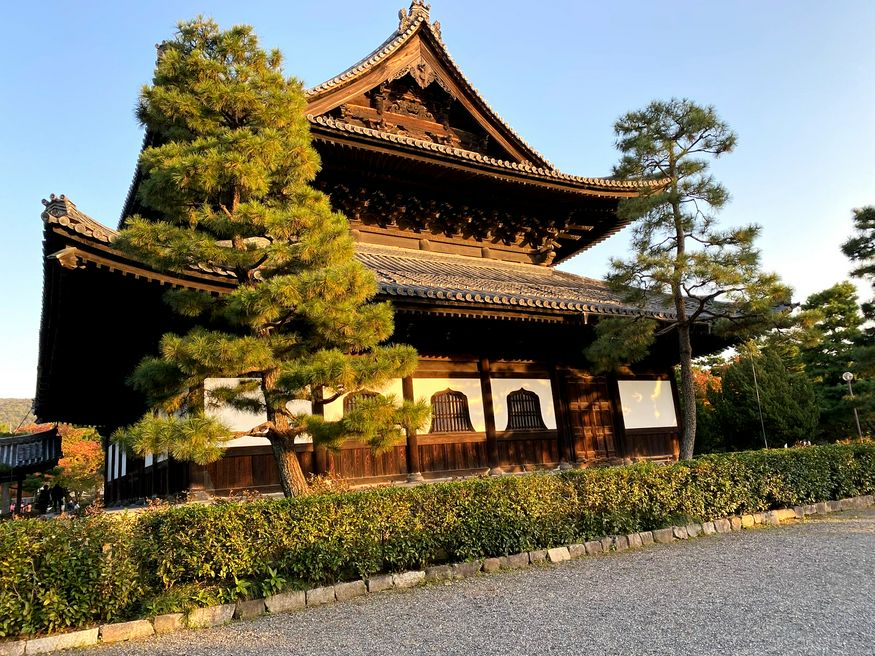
(12, 411)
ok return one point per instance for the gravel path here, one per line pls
(808, 588)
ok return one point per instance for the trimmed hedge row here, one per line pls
(75, 572)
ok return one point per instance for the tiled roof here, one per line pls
(60, 210)
(417, 18)
(438, 276)
(526, 169)
(427, 275)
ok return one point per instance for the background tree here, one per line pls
(860, 248)
(838, 330)
(706, 273)
(786, 398)
(80, 471)
(227, 186)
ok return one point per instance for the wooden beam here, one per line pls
(489, 416)
(414, 469)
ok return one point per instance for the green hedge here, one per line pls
(72, 573)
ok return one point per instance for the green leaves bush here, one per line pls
(78, 572)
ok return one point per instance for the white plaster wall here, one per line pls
(241, 421)
(110, 462)
(148, 460)
(501, 387)
(647, 404)
(424, 388)
(334, 411)
(234, 419)
(123, 454)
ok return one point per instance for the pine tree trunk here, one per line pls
(291, 476)
(688, 392)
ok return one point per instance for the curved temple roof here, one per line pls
(439, 278)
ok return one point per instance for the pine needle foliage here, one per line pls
(860, 249)
(227, 188)
(679, 253)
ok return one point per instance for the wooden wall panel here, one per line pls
(590, 413)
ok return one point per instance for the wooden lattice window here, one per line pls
(449, 413)
(524, 411)
(351, 400)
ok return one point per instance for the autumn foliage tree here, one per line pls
(227, 187)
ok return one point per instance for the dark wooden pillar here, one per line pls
(489, 415)
(620, 444)
(414, 469)
(18, 491)
(320, 453)
(567, 452)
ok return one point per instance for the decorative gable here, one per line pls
(410, 86)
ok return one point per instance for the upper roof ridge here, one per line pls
(63, 211)
(410, 22)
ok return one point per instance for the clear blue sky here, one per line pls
(794, 79)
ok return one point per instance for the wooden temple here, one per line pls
(463, 224)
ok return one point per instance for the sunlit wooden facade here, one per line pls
(463, 223)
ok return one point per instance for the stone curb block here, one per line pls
(538, 556)
(747, 521)
(514, 561)
(558, 554)
(491, 564)
(722, 525)
(380, 583)
(86, 638)
(679, 532)
(634, 541)
(439, 573)
(662, 535)
(350, 590)
(466, 570)
(607, 544)
(168, 623)
(320, 596)
(576, 550)
(735, 523)
(201, 618)
(12, 648)
(832, 506)
(784, 514)
(621, 543)
(286, 601)
(799, 512)
(408, 579)
(694, 530)
(592, 547)
(646, 537)
(126, 631)
(759, 518)
(708, 528)
(248, 609)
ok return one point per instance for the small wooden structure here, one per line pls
(21, 455)
(463, 223)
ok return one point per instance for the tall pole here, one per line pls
(848, 377)
(756, 388)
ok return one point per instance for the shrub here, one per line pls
(75, 572)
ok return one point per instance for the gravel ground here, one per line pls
(808, 588)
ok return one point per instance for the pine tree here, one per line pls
(860, 248)
(679, 254)
(839, 330)
(227, 187)
(785, 399)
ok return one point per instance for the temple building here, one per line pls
(463, 224)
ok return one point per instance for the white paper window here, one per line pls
(647, 404)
